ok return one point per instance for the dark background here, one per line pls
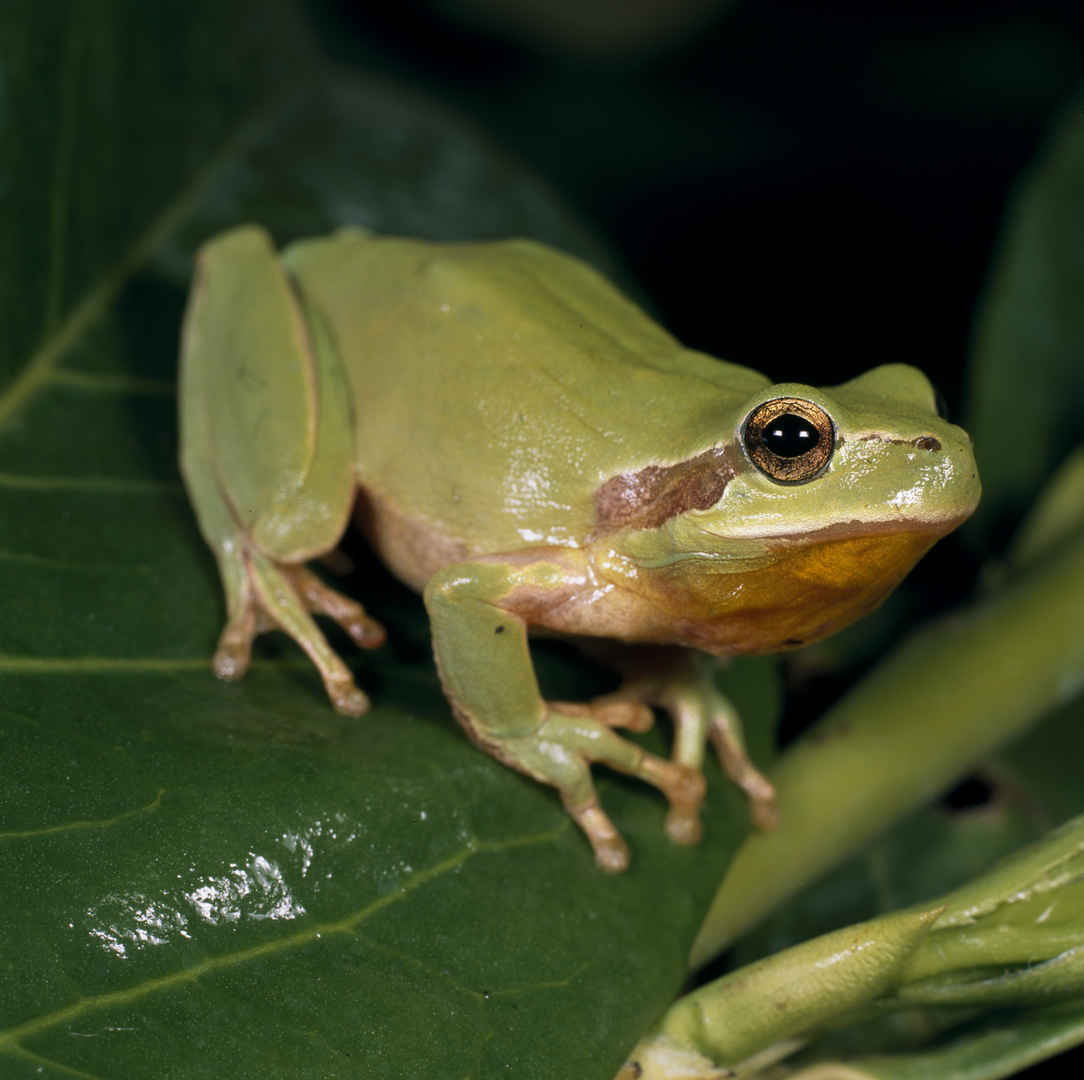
(807, 190)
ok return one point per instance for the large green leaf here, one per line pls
(202, 879)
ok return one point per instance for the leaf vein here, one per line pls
(51, 1063)
(33, 665)
(110, 383)
(72, 826)
(25, 559)
(116, 485)
(421, 965)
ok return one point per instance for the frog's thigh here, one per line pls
(481, 647)
(261, 379)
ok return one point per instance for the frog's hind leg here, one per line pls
(277, 596)
(267, 454)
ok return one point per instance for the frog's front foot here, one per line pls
(570, 739)
(611, 851)
(682, 683)
(284, 597)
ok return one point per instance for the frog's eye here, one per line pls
(790, 440)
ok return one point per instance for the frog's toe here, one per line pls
(613, 857)
(611, 711)
(366, 632)
(684, 786)
(346, 697)
(737, 766)
(684, 826)
(234, 650)
(764, 811)
(611, 851)
(320, 599)
(229, 664)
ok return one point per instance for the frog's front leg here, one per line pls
(479, 613)
(681, 682)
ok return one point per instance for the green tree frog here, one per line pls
(525, 447)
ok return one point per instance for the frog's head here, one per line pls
(870, 457)
(803, 517)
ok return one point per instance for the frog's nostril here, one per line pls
(926, 442)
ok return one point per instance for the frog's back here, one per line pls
(497, 385)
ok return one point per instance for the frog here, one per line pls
(527, 448)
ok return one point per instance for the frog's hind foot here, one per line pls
(683, 785)
(682, 683)
(284, 597)
(320, 599)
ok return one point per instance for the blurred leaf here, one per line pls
(589, 29)
(1011, 937)
(1027, 375)
(999, 1044)
(204, 879)
(1057, 515)
(1045, 766)
(922, 856)
(115, 118)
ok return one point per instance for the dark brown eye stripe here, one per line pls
(646, 499)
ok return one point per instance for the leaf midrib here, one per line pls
(11, 1037)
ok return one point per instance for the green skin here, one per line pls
(528, 449)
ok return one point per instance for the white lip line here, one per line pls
(880, 527)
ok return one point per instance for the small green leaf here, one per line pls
(784, 995)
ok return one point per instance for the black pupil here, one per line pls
(790, 436)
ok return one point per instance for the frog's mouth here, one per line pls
(931, 528)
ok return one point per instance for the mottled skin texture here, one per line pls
(523, 445)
